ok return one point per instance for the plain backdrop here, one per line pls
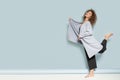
(33, 34)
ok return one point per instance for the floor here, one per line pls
(59, 77)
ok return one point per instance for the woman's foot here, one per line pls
(107, 36)
(91, 74)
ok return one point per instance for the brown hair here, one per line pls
(93, 17)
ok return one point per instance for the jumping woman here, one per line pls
(85, 37)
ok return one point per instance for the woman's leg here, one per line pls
(104, 42)
(92, 61)
(91, 64)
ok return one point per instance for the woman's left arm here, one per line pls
(87, 32)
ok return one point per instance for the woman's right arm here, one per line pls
(70, 19)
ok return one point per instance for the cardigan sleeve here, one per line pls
(74, 21)
(88, 30)
(75, 25)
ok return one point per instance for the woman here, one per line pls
(90, 44)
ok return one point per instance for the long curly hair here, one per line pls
(93, 17)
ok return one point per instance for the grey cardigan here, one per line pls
(85, 32)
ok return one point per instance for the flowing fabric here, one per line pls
(85, 32)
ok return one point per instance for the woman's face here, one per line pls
(88, 14)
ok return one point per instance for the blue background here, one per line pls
(33, 34)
